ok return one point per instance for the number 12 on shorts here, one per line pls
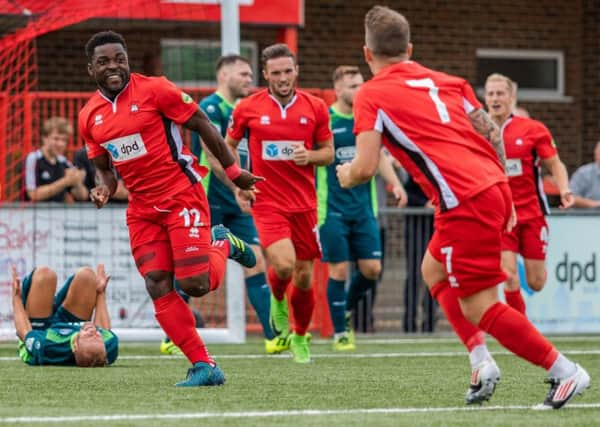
(447, 251)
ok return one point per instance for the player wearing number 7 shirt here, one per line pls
(130, 122)
(288, 136)
(433, 124)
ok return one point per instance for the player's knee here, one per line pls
(86, 275)
(371, 271)
(44, 275)
(195, 286)
(158, 283)
(536, 281)
(302, 278)
(284, 270)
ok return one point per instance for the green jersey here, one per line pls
(218, 110)
(54, 346)
(333, 199)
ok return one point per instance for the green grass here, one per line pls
(398, 377)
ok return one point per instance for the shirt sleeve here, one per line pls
(33, 350)
(544, 143)
(470, 101)
(365, 113)
(30, 178)
(93, 148)
(172, 102)
(322, 128)
(111, 342)
(238, 122)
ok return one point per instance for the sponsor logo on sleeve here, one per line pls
(186, 98)
(345, 154)
(126, 148)
(279, 150)
(514, 167)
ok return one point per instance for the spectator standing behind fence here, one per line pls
(81, 161)
(347, 218)
(418, 229)
(528, 145)
(585, 183)
(49, 176)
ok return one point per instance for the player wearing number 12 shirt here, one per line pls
(131, 123)
(288, 135)
(432, 123)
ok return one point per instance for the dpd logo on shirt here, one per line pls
(126, 148)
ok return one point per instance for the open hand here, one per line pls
(101, 279)
(16, 282)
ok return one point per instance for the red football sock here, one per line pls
(278, 285)
(515, 300)
(518, 335)
(303, 303)
(177, 320)
(469, 334)
(217, 260)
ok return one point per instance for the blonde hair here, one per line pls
(497, 77)
(90, 355)
(58, 124)
(387, 32)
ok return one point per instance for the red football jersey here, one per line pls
(526, 141)
(138, 130)
(274, 130)
(422, 116)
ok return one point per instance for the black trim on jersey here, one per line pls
(421, 164)
(536, 177)
(174, 153)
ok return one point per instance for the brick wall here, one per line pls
(445, 36)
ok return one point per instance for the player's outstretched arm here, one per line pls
(21, 320)
(101, 316)
(365, 162)
(483, 124)
(559, 173)
(106, 181)
(387, 172)
(213, 140)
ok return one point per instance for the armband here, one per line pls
(233, 171)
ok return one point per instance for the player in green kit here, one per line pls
(234, 81)
(347, 218)
(58, 329)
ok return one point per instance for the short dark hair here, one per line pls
(279, 50)
(229, 60)
(387, 32)
(101, 38)
(344, 70)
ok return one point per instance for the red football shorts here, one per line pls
(171, 235)
(529, 238)
(467, 240)
(300, 227)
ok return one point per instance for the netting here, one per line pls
(65, 237)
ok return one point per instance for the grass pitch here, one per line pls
(386, 382)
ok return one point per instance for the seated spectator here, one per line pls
(81, 161)
(49, 176)
(585, 183)
(57, 329)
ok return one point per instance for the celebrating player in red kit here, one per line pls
(130, 122)
(433, 124)
(289, 136)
